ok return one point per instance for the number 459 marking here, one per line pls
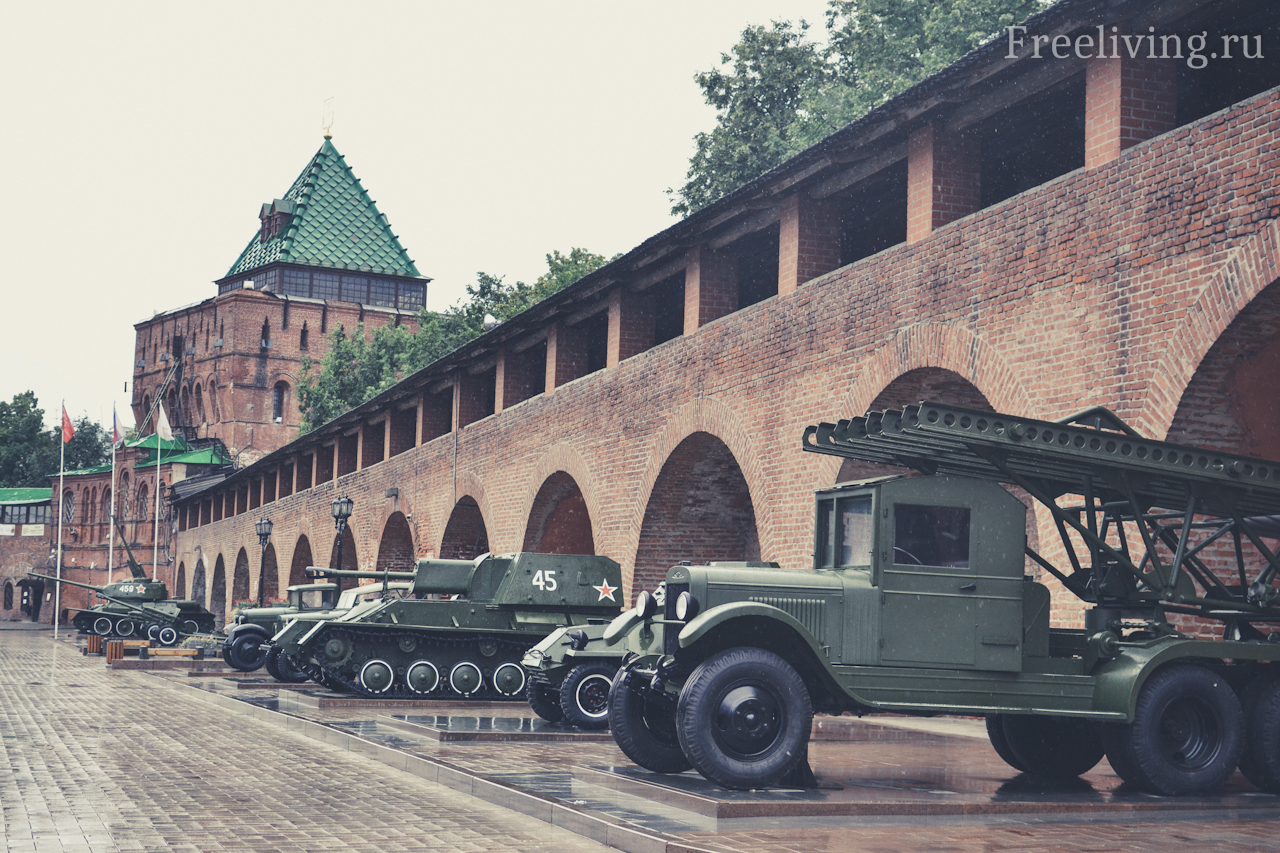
(545, 581)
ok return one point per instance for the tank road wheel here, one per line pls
(1186, 735)
(644, 730)
(153, 631)
(376, 677)
(1053, 747)
(168, 636)
(102, 626)
(1000, 743)
(336, 650)
(1260, 762)
(545, 702)
(189, 626)
(125, 627)
(422, 677)
(744, 717)
(465, 678)
(584, 695)
(508, 678)
(245, 653)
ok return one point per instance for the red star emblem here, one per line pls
(605, 591)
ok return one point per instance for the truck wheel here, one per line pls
(1000, 743)
(1260, 762)
(584, 695)
(282, 667)
(744, 718)
(643, 730)
(1186, 735)
(246, 652)
(1053, 747)
(544, 702)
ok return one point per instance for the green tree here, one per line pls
(784, 93)
(29, 452)
(356, 370)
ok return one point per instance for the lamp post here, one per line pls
(264, 536)
(341, 510)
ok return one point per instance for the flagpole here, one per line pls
(62, 464)
(111, 517)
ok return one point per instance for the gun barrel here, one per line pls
(317, 572)
(97, 589)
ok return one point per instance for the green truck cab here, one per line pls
(919, 602)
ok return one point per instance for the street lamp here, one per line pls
(341, 510)
(264, 536)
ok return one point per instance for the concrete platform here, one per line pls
(458, 728)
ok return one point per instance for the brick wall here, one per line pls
(1109, 285)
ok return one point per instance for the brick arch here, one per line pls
(240, 578)
(198, 592)
(350, 555)
(1244, 275)
(717, 419)
(396, 551)
(466, 535)
(544, 498)
(180, 584)
(559, 520)
(218, 593)
(700, 509)
(300, 560)
(470, 492)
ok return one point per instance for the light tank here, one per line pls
(139, 607)
(467, 640)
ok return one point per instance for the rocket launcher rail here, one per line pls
(1145, 510)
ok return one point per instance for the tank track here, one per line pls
(433, 646)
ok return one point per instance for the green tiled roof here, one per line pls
(334, 224)
(25, 496)
(208, 456)
(94, 469)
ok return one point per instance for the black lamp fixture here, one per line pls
(264, 536)
(341, 510)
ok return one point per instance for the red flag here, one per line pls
(116, 435)
(67, 429)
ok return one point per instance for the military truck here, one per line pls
(466, 641)
(571, 670)
(138, 607)
(248, 638)
(919, 602)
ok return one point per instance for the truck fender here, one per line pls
(1119, 681)
(237, 630)
(716, 616)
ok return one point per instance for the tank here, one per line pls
(248, 638)
(139, 607)
(465, 633)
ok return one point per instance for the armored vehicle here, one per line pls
(918, 603)
(248, 638)
(468, 646)
(140, 606)
(571, 670)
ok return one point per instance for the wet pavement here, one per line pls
(100, 759)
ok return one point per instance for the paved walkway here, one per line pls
(95, 760)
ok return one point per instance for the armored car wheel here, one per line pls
(644, 729)
(1050, 746)
(282, 667)
(102, 626)
(744, 717)
(584, 695)
(1186, 735)
(545, 702)
(153, 631)
(1260, 762)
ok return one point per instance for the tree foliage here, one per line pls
(358, 367)
(777, 93)
(29, 452)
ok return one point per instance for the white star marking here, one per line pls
(605, 590)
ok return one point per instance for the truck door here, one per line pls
(941, 605)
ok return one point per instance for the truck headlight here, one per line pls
(646, 605)
(577, 640)
(686, 606)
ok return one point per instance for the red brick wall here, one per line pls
(1128, 101)
(1109, 285)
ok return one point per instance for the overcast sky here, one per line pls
(140, 140)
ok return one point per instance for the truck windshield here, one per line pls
(931, 535)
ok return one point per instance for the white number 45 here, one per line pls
(545, 581)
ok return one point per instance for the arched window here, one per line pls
(106, 511)
(8, 595)
(302, 338)
(266, 333)
(213, 402)
(200, 416)
(279, 397)
(68, 507)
